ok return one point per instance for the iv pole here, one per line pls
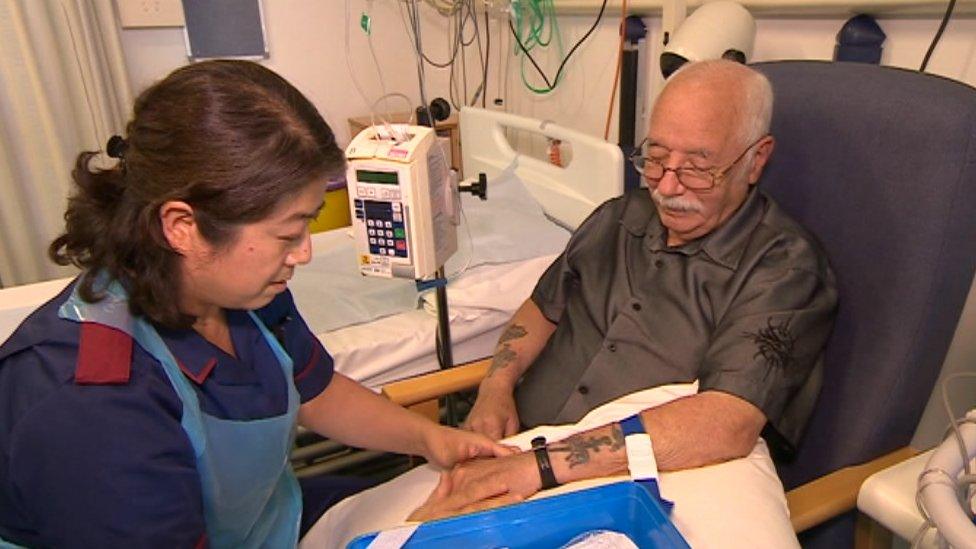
(444, 351)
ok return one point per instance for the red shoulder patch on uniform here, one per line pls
(104, 355)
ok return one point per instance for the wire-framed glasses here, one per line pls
(696, 179)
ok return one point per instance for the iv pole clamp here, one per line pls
(478, 188)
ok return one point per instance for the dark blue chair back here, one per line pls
(880, 164)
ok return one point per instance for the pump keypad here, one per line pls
(385, 229)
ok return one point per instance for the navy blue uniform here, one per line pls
(109, 464)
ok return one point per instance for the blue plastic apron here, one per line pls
(250, 495)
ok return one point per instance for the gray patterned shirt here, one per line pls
(745, 310)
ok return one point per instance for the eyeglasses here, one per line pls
(696, 179)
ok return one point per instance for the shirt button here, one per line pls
(583, 389)
(635, 306)
(612, 347)
(659, 263)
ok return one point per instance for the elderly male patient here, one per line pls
(701, 276)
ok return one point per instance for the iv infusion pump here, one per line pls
(403, 201)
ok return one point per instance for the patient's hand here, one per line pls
(447, 499)
(518, 473)
(494, 413)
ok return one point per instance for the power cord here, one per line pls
(938, 35)
(551, 84)
(616, 72)
(484, 75)
(461, 16)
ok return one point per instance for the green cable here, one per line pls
(552, 23)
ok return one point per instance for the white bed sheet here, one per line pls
(739, 503)
(19, 301)
(480, 303)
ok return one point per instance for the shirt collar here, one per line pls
(197, 357)
(193, 354)
(725, 245)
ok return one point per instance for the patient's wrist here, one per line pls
(547, 476)
(499, 383)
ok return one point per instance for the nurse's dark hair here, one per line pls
(230, 138)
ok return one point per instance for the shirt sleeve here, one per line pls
(107, 466)
(769, 343)
(312, 364)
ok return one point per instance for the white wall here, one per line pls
(306, 38)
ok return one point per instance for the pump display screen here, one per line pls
(384, 178)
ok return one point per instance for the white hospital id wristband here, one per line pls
(640, 450)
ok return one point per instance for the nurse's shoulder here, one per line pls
(41, 360)
(60, 439)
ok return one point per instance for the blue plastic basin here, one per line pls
(624, 507)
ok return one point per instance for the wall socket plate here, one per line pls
(141, 14)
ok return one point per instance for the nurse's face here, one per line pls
(256, 265)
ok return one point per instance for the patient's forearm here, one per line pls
(702, 429)
(520, 344)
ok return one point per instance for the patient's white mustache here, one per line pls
(676, 202)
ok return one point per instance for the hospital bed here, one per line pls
(382, 330)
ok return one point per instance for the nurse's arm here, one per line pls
(347, 412)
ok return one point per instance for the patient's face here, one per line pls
(693, 126)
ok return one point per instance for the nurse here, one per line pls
(153, 402)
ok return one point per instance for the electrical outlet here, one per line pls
(136, 14)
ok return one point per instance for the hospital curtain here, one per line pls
(63, 89)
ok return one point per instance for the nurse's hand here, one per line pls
(494, 413)
(518, 473)
(446, 501)
(445, 446)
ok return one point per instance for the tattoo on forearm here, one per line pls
(618, 437)
(578, 448)
(504, 355)
(515, 331)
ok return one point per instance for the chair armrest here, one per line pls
(430, 386)
(833, 494)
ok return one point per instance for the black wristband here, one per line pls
(545, 466)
